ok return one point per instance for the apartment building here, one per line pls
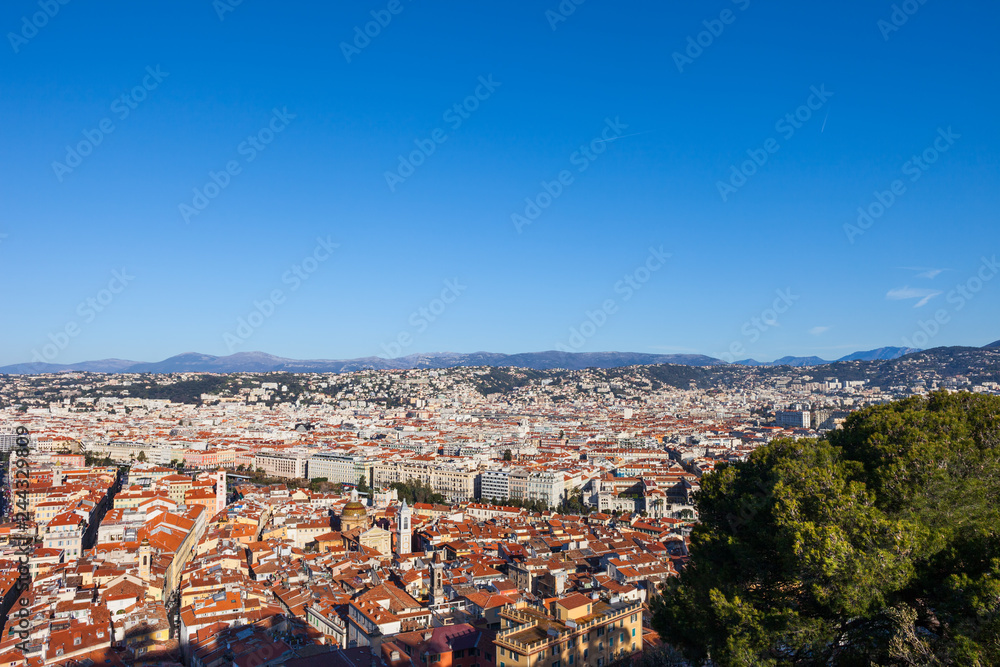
(340, 468)
(210, 458)
(537, 485)
(792, 418)
(455, 482)
(126, 452)
(9, 436)
(573, 631)
(495, 484)
(65, 533)
(289, 466)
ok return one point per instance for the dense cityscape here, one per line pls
(465, 516)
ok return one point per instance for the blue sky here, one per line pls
(644, 127)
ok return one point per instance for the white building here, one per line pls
(495, 484)
(792, 418)
(537, 485)
(340, 468)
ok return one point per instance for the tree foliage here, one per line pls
(415, 491)
(879, 545)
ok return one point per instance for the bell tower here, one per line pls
(437, 580)
(145, 559)
(403, 530)
(220, 490)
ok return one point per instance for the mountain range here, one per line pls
(260, 362)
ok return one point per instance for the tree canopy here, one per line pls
(877, 545)
(415, 491)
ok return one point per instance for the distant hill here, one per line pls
(868, 355)
(995, 343)
(799, 361)
(37, 368)
(261, 362)
(880, 353)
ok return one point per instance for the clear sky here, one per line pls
(274, 150)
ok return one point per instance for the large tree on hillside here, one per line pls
(877, 546)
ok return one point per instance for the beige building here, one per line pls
(573, 630)
(455, 483)
(281, 465)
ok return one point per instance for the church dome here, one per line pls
(353, 509)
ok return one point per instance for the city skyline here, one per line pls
(779, 180)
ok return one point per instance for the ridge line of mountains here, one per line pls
(261, 362)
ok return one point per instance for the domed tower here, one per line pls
(354, 515)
